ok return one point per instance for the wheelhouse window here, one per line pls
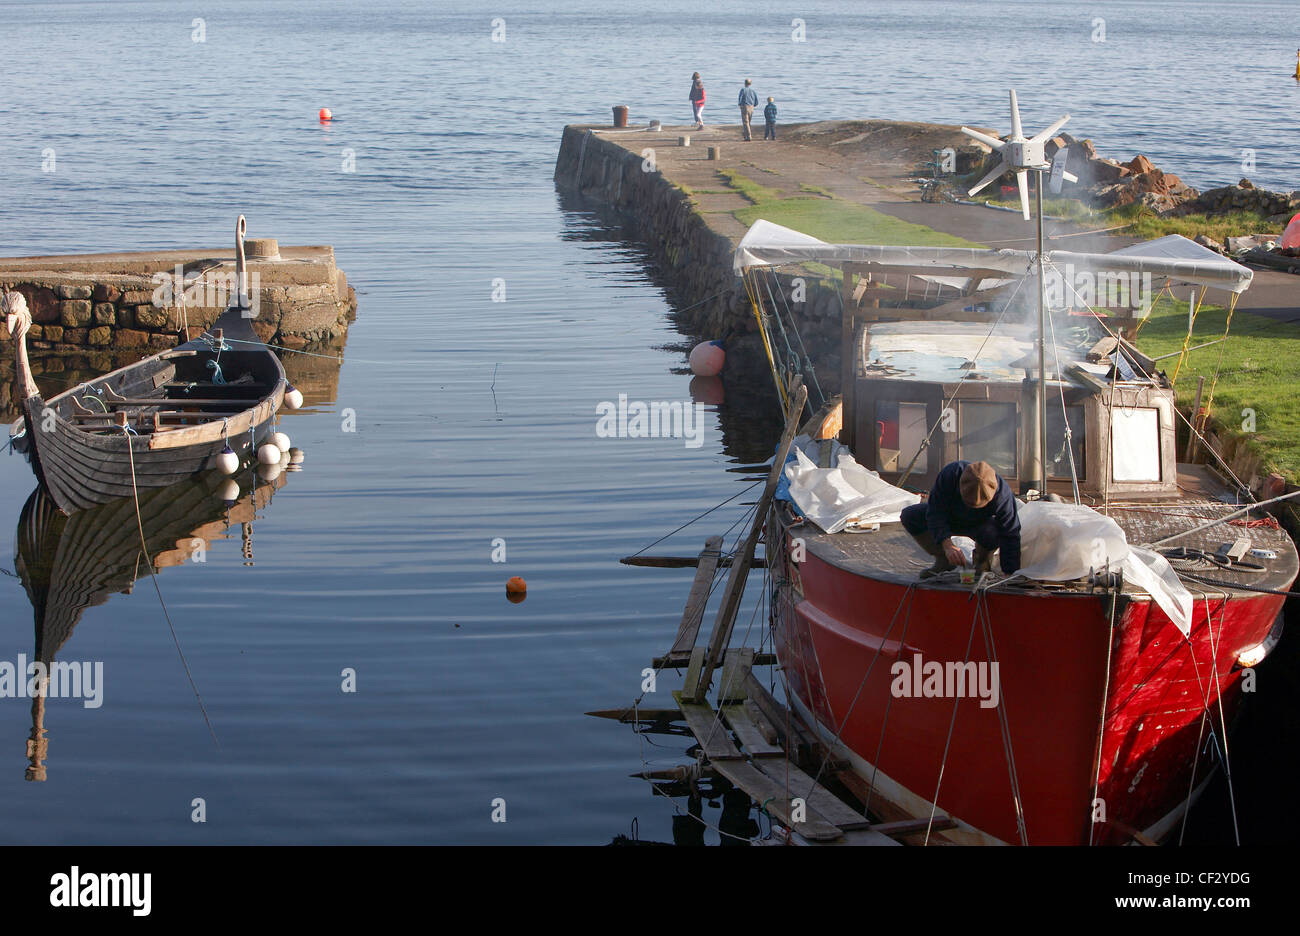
(900, 432)
(1058, 456)
(987, 432)
(1135, 444)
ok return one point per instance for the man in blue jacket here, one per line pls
(748, 101)
(968, 499)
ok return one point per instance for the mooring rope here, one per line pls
(934, 802)
(1101, 727)
(1004, 722)
(1218, 692)
(144, 547)
(904, 601)
(1221, 745)
(700, 517)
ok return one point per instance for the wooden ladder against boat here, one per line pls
(698, 677)
(696, 601)
(758, 765)
(759, 746)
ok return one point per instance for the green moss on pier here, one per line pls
(835, 220)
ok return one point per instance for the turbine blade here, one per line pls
(1022, 180)
(984, 138)
(1015, 117)
(1051, 131)
(993, 173)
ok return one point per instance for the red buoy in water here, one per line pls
(326, 114)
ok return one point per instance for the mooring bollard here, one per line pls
(684, 141)
(620, 116)
(715, 152)
(262, 248)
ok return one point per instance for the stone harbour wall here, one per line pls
(79, 312)
(695, 259)
(93, 313)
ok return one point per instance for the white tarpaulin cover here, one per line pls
(1185, 254)
(1172, 257)
(1061, 542)
(830, 496)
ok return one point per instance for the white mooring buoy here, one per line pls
(269, 454)
(227, 461)
(293, 397)
(280, 441)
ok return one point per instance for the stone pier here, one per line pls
(92, 313)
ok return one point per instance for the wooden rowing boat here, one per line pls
(157, 421)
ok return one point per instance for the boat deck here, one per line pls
(890, 554)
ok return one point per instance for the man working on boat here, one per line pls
(968, 499)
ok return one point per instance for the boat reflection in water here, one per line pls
(70, 563)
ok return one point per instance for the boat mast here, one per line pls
(1041, 448)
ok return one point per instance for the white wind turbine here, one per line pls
(1022, 156)
(1019, 155)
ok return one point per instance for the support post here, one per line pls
(1195, 422)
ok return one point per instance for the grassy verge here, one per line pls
(1258, 368)
(1145, 224)
(820, 214)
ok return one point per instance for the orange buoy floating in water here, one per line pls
(326, 114)
(516, 589)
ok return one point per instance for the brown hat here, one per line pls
(978, 484)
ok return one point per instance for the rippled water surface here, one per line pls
(474, 419)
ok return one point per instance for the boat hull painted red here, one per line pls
(841, 636)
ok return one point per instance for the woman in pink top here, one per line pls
(697, 100)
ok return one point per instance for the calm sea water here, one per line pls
(474, 419)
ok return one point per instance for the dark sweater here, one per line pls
(946, 514)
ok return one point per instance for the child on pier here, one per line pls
(769, 120)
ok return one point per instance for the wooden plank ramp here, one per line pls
(761, 767)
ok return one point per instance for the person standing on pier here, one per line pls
(748, 101)
(769, 120)
(697, 100)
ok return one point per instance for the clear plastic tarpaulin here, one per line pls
(1172, 257)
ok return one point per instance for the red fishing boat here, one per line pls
(1090, 698)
